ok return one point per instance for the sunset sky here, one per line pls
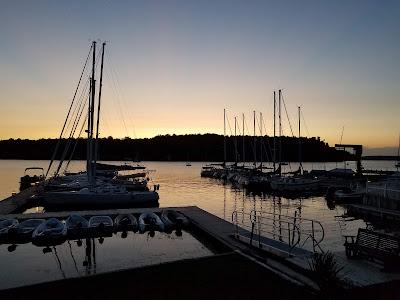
(173, 66)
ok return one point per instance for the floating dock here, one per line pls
(18, 201)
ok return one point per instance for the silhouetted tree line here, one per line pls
(191, 147)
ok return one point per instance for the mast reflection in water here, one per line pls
(31, 264)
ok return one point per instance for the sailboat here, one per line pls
(397, 165)
(297, 182)
(217, 170)
(97, 190)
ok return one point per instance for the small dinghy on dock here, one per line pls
(22, 233)
(101, 226)
(49, 233)
(344, 194)
(126, 222)
(5, 226)
(347, 195)
(173, 219)
(150, 221)
(77, 226)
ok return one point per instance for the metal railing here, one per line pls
(293, 231)
(384, 191)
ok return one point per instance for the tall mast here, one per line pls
(274, 158)
(398, 156)
(236, 150)
(262, 140)
(224, 139)
(91, 178)
(398, 150)
(254, 138)
(300, 160)
(244, 158)
(88, 133)
(98, 112)
(280, 131)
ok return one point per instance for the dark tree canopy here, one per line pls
(190, 147)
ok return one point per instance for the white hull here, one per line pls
(294, 185)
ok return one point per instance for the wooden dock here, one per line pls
(17, 201)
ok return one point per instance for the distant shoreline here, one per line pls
(190, 147)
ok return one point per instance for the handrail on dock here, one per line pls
(310, 227)
(294, 231)
(286, 232)
(384, 190)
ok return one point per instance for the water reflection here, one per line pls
(183, 186)
(297, 208)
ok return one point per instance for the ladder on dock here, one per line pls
(293, 236)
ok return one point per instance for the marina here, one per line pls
(198, 150)
(229, 208)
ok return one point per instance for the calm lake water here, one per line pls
(182, 186)
(28, 264)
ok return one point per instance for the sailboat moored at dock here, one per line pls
(100, 185)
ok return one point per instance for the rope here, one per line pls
(110, 78)
(69, 111)
(260, 127)
(268, 144)
(234, 141)
(287, 116)
(305, 124)
(79, 109)
(76, 143)
(247, 128)
(121, 96)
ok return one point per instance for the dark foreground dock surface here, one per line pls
(17, 202)
(225, 276)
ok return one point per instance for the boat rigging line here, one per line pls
(79, 108)
(305, 124)
(268, 144)
(234, 141)
(119, 102)
(247, 130)
(69, 111)
(287, 115)
(76, 143)
(263, 148)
